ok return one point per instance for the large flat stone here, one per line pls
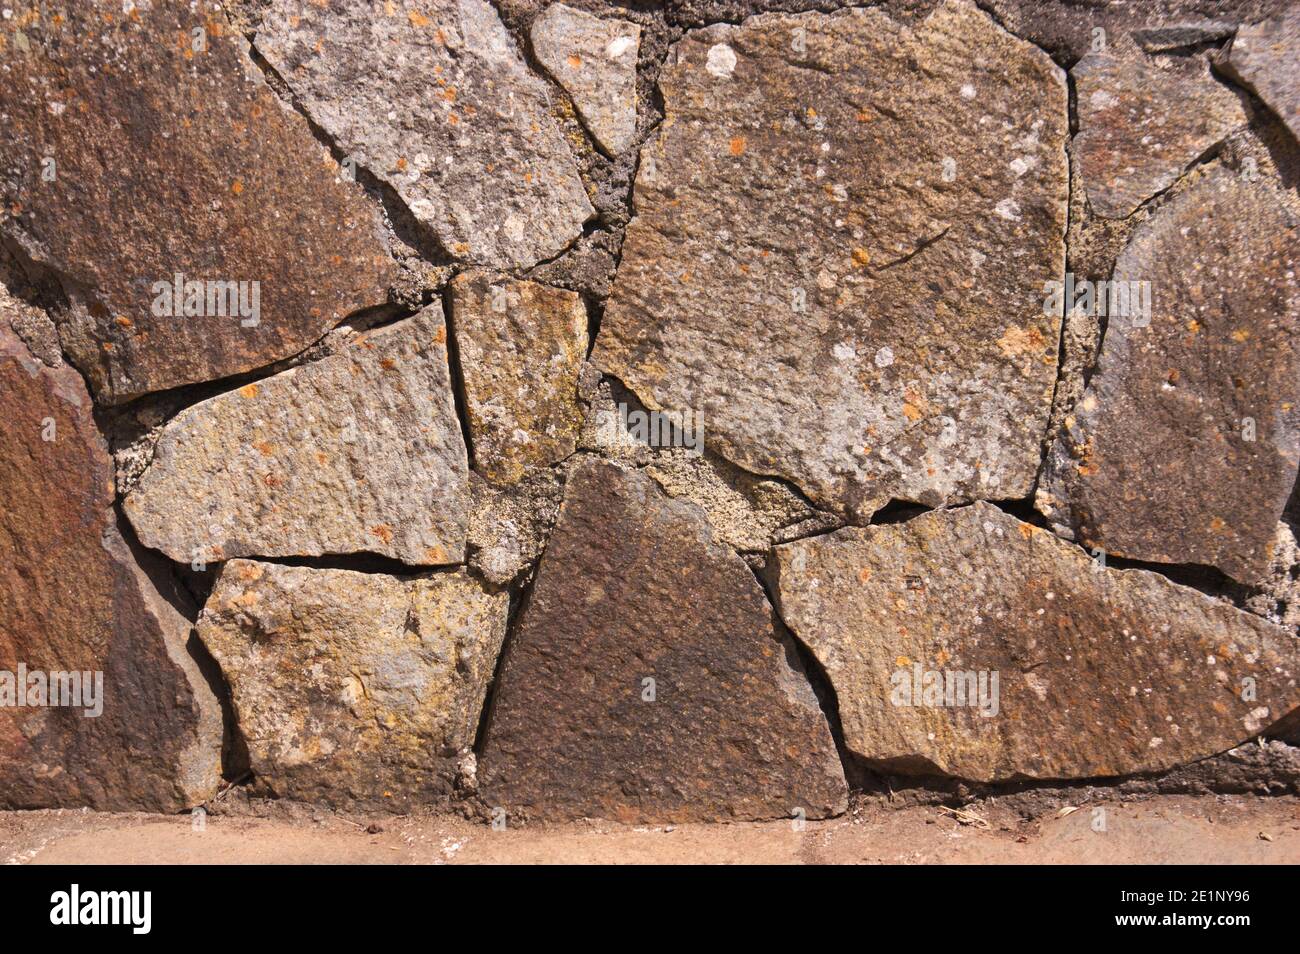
(1101, 672)
(1185, 446)
(170, 161)
(594, 59)
(521, 347)
(632, 587)
(842, 231)
(360, 451)
(434, 99)
(77, 598)
(356, 690)
(1142, 121)
(1265, 57)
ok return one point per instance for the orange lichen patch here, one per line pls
(108, 346)
(902, 661)
(236, 187)
(449, 94)
(911, 411)
(401, 163)
(418, 19)
(383, 532)
(123, 322)
(1194, 326)
(1172, 376)
(1240, 335)
(737, 145)
(1017, 341)
(265, 448)
(271, 480)
(435, 554)
(321, 458)
(453, 118)
(1026, 530)
(865, 116)
(941, 657)
(574, 60)
(1217, 525)
(248, 391)
(388, 364)
(441, 336)
(864, 574)
(861, 257)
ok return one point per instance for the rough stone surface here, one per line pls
(1265, 57)
(1070, 29)
(633, 587)
(172, 161)
(595, 61)
(357, 452)
(509, 526)
(838, 254)
(76, 598)
(521, 347)
(355, 690)
(1157, 462)
(434, 99)
(1102, 672)
(1178, 36)
(1142, 121)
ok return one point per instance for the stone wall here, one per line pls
(697, 410)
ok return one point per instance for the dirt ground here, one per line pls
(1169, 829)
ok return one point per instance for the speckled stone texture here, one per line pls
(1185, 446)
(359, 452)
(435, 100)
(1101, 672)
(842, 231)
(633, 587)
(358, 690)
(169, 162)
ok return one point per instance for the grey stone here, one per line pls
(1265, 57)
(595, 61)
(1100, 672)
(357, 690)
(357, 452)
(434, 99)
(822, 201)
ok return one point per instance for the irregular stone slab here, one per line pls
(595, 61)
(823, 196)
(521, 348)
(1100, 672)
(734, 730)
(129, 158)
(357, 452)
(1265, 57)
(1142, 121)
(1177, 36)
(77, 599)
(1184, 449)
(355, 690)
(433, 98)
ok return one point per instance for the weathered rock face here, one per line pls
(734, 730)
(1100, 672)
(842, 232)
(357, 452)
(595, 61)
(1142, 121)
(131, 160)
(1184, 448)
(75, 598)
(521, 348)
(1266, 58)
(354, 689)
(434, 99)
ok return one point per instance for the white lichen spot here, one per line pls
(884, 357)
(722, 61)
(967, 91)
(1007, 209)
(618, 46)
(1256, 719)
(844, 351)
(949, 169)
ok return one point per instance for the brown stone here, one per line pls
(356, 690)
(169, 161)
(1265, 57)
(74, 597)
(1100, 672)
(842, 231)
(632, 587)
(521, 347)
(1142, 121)
(1184, 448)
